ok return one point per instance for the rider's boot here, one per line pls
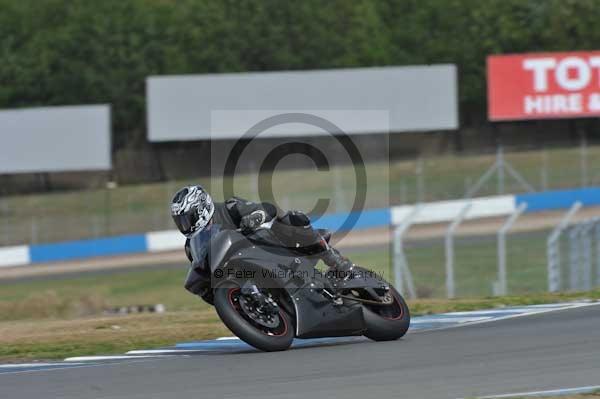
(337, 263)
(340, 268)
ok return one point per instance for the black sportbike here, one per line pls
(268, 293)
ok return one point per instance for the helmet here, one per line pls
(191, 209)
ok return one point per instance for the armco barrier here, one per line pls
(435, 212)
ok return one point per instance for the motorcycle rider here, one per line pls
(193, 210)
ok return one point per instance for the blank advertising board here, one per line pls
(55, 139)
(417, 98)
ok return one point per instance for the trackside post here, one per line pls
(501, 287)
(449, 247)
(553, 251)
(402, 273)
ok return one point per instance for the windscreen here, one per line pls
(199, 243)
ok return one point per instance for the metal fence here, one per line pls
(574, 256)
(130, 209)
(514, 256)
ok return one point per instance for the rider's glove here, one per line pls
(251, 222)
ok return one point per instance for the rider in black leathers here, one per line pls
(193, 210)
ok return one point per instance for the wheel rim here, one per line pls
(395, 311)
(274, 327)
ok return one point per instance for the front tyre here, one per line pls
(387, 323)
(268, 333)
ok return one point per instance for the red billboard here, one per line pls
(543, 85)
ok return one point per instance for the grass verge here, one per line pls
(51, 338)
(63, 316)
(69, 297)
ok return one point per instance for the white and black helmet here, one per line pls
(191, 209)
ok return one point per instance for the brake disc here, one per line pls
(264, 318)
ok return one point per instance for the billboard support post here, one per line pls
(500, 169)
(420, 180)
(583, 159)
(544, 170)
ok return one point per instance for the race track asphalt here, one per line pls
(546, 351)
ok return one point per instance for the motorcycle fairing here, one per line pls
(316, 316)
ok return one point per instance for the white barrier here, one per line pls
(447, 211)
(166, 240)
(14, 256)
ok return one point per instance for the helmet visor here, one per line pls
(186, 222)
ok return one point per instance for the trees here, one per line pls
(81, 51)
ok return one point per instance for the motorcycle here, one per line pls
(268, 293)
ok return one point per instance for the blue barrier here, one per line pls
(88, 248)
(354, 220)
(559, 199)
(550, 200)
(138, 243)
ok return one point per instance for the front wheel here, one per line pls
(387, 323)
(268, 328)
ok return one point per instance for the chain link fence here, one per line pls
(539, 253)
(574, 257)
(476, 265)
(116, 210)
(508, 171)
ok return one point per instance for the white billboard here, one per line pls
(417, 98)
(55, 139)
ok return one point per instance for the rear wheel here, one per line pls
(387, 323)
(265, 326)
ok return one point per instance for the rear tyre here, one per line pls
(278, 336)
(387, 323)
